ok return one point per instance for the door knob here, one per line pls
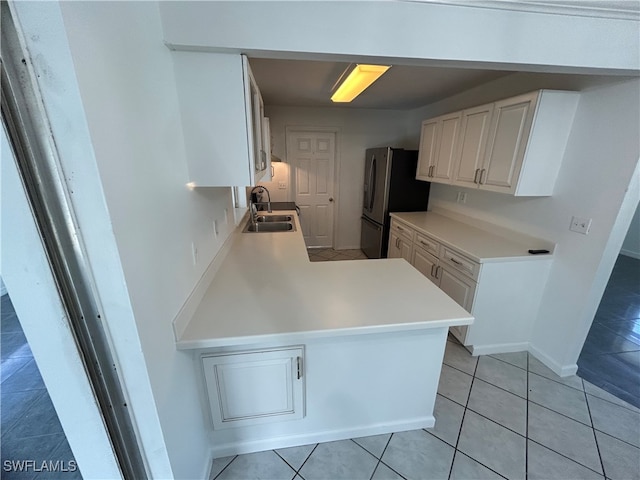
(331, 199)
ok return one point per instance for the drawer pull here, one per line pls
(425, 243)
(432, 267)
(456, 261)
(400, 228)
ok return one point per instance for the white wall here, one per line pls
(417, 31)
(128, 93)
(601, 155)
(358, 129)
(631, 244)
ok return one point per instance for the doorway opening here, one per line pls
(610, 357)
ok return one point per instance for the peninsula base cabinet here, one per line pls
(502, 295)
(267, 396)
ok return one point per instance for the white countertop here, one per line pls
(478, 244)
(266, 289)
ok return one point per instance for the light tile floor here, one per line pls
(329, 254)
(497, 416)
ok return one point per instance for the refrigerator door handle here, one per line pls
(372, 182)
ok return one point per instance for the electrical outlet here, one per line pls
(226, 215)
(462, 197)
(194, 252)
(282, 185)
(580, 225)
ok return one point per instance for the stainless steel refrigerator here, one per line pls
(390, 185)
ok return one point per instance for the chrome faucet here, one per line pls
(252, 204)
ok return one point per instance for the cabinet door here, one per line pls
(461, 290)
(399, 247)
(248, 388)
(474, 132)
(425, 263)
(394, 250)
(427, 152)
(510, 129)
(447, 148)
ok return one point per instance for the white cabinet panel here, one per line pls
(460, 289)
(425, 263)
(222, 114)
(473, 141)
(438, 148)
(248, 388)
(509, 134)
(427, 152)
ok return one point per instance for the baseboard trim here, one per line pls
(629, 253)
(249, 446)
(560, 370)
(195, 297)
(499, 348)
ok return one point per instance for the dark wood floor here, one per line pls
(610, 357)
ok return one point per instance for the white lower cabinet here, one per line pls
(455, 284)
(503, 294)
(254, 387)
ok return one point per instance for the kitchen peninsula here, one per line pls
(293, 352)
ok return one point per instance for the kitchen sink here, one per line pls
(269, 226)
(273, 218)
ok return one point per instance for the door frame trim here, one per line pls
(289, 130)
(29, 134)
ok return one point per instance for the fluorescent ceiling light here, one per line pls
(358, 80)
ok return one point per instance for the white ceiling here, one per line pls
(310, 83)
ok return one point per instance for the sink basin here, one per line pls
(274, 218)
(269, 227)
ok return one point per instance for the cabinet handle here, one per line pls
(438, 268)
(400, 228)
(475, 176)
(456, 261)
(299, 364)
(424, 243)
(432, 267)
(431, 168)
(481, 174)
(397, 243)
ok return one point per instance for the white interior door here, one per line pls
(312, 157)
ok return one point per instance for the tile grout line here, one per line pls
(595, 437)
(306, 459)
(225, 467)
(464, 414)
(380, 459)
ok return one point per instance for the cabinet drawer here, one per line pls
(402, 230)
(427, 243)
(460, 263)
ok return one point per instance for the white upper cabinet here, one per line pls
(222, 118)
(515, 145)
(474, 133)
(438, 148)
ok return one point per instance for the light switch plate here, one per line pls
(580, 225)
(282, 185)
